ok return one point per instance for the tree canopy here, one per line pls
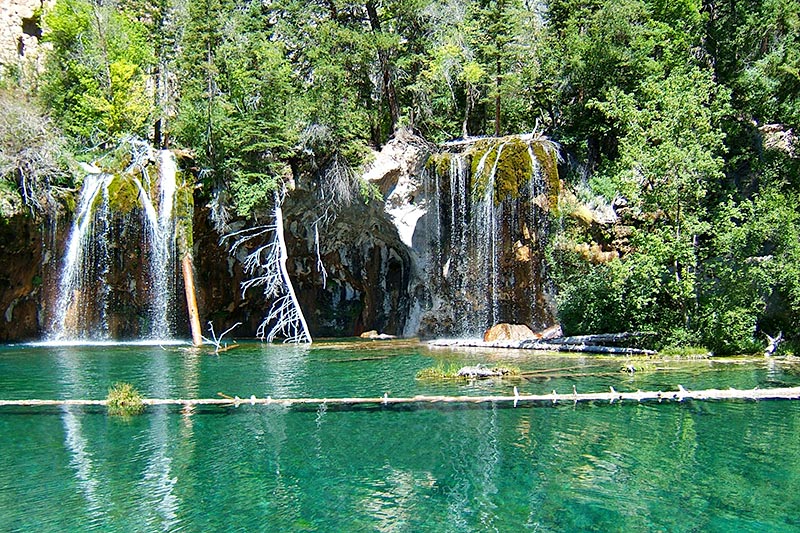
(682, 111)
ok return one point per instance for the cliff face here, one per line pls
(27, 268)
(21, 54)
(368, 272)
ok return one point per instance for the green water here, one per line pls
(697, 466)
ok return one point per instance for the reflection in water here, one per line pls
(475, 460)
(391, 502)
(74, 440)
(81, 462)
(157, 483)
(444, 468)
(283, 374)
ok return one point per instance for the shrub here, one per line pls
(124, 400)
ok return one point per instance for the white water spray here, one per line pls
(84, 291)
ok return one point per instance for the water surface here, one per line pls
(696, 466)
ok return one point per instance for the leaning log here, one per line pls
(191, 299)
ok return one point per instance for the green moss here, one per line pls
(514, 170)
(184, 214)
(477, 151)
(443, 164)
(439, 163)
(549, 165)
(123, 194)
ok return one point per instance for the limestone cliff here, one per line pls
(21, 54)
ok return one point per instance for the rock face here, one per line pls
(27, 269)
(396, 172)
(508, 332)
(368, 272)
(368, 268)
(20, 31)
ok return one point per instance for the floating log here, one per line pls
(548, 346)
(598, 338)
(786, 393)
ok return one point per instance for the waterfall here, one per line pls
(487, 227)
(162, 255)
(119, 269)
(85, 260)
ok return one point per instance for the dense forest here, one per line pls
(680, 114)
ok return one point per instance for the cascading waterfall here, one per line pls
(97, 267)
(85, 260)
(161, 233)
(486, 234)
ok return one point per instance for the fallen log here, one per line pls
(599, 338)
(787, 393)
(548, 346)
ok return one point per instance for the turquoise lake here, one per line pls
(692, 466)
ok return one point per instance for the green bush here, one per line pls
(124, 400)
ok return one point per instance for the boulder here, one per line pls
(553, 332)
(508, 332)
(374, 335)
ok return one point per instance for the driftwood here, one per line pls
(788, 393)
(548, 346)
(479, 371)
(773, 343)
(599, 339)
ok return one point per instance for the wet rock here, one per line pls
(553, 332)
(374, 335)
(508, 332)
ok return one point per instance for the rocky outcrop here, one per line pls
(21, 54)
(396, 172)
(368, 272)
(508, 332)
(28, 270)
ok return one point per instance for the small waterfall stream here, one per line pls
(85, 260)
(116, 263)
(483, 240)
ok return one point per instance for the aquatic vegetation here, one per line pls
(124, 400)
(454, 371)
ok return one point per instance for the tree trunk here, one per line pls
(498, 80)
(386, 72)
(191, 300)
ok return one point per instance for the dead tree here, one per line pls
(267, 267)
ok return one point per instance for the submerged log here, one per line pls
(531, 400)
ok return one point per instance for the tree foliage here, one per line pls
(95, 83)
(680, 111)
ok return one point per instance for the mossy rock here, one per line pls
(548, 163)
(514, 168)
(184, 214)
(123, 194)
